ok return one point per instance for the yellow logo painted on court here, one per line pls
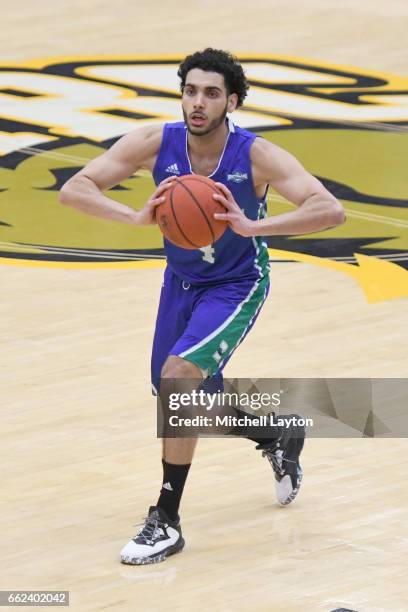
(347, 126)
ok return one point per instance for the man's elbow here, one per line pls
(337, 214)
(71, 191)
(65, 195)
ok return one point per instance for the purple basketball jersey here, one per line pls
(232, 257)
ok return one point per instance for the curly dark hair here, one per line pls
(215, 60)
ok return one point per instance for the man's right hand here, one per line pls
(147, 215)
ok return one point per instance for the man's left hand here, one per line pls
(234, 215)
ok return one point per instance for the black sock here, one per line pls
(253, 433)
(174, 479)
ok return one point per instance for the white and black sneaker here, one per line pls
(159, 538)
(283, 455)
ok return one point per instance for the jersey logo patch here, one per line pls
(237, 176)
(172, 169)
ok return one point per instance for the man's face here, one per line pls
(205, 101)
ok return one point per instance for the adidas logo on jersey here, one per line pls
(172, 169)
(237, 176)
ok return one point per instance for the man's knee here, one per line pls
(178, 377)
(176, 367)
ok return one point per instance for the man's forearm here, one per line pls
(84, 195)
(314, 215)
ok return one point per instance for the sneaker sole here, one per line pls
(300, 444)
(294, 493)
(157, 558)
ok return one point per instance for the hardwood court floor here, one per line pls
(79, 458)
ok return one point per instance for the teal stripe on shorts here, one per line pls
(212, 352)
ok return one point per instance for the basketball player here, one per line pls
(212, 296)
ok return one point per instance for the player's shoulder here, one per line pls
(139, 146)
(145, 142)
(156, 133)
(141, 143)
(143, 134)
(268, 159)
(264, 151)
(149, 133)
(262, 146)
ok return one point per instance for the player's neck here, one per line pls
(208, 145)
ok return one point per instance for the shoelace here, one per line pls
(148, 533)
(276, 461)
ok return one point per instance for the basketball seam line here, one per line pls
(200, 207)
(176, 220)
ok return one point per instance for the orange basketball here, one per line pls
(186, 217)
